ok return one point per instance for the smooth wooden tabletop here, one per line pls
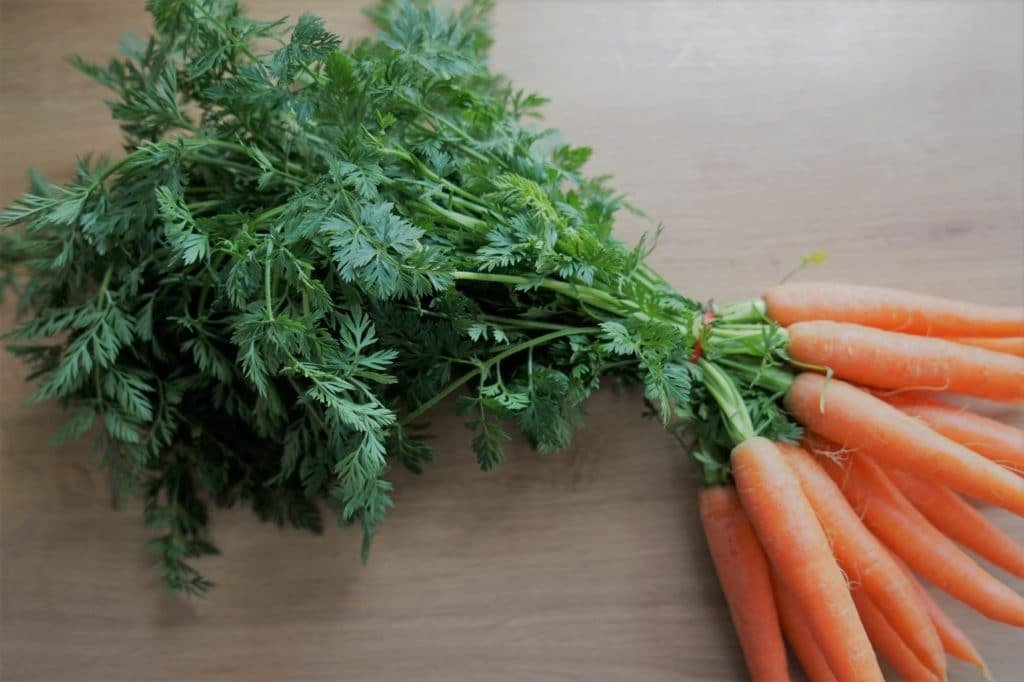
(888, 134)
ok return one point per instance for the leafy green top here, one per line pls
(306, 248)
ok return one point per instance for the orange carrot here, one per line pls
(888, 642)
(890, 309)
(866, 561)
(961, 522)
(745, 577)
(856, 419)
(954, 641)
(1014, 345)
(990, 438)
(900, 526)
(889, 360)
(800, 637)
(799, 554)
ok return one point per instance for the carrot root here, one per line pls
(890, 360)
(745, 578)
(961, 522)
(855, 419)
(890, 309)
(799, 553)
(888, 642)
(895, 521)
(865, 560)
(954, 641)
(1014, 345)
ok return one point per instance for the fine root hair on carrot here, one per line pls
(800, 554)
(865, 560)
(898, 524)
(819, 445)
(874, 427)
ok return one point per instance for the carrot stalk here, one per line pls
(745, 578)
(990, 438)
(799, 553)
(800, 637)
(865, 560)
(1014, 345)
(896, 522)
(888, 642)
(855, 419)
(889, 360)
(954, 640)
(890, 309)
(961, 522)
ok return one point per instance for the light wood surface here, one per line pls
(889, 134)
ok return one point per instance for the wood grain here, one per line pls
(888, 134)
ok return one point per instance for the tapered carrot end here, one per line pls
(986, 674)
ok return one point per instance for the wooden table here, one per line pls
(888, 134)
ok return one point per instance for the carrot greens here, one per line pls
(309, 245)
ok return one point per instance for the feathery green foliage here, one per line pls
(309, 246)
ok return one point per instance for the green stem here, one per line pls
(469, 151)
(426, 170)
(220, 26)
(454, 217)
(243, 168)
(524, 324)
(240, 149)
(734, 411)
(770, 377)
(202, 301)
(584, 294)
(111, 169)
(272, 213)
(472, 206)
(101, 295)
(267, 291)
(485, 366)
(708, 455)
(755, 310)
(755, 340)
(518, 322)
(197, 206)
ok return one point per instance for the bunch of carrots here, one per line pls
(815, 544)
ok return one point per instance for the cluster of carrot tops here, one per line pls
(818, 544)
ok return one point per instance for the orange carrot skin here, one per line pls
(855, 419)
(1014, 345)
(890, 309)
(865, 560)
(800, 637)
(954, 640)
(799, 554)
(909, 535)
(889, 360)
(887, 641)
(992, 439)
(961, 522)
(745, 577)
